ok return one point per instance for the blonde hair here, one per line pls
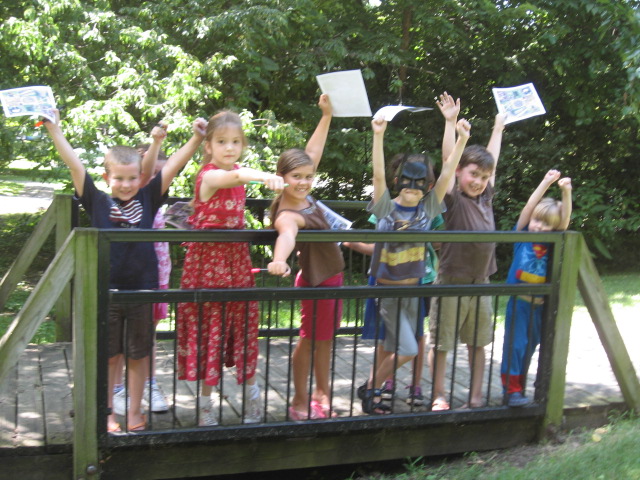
(548, 211)
(120, 155)
(221, 120)
(289, 160)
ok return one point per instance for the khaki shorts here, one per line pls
(475, 325)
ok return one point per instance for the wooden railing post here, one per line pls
(63, 205)
(562, 327)
(85, 363)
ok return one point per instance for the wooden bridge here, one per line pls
(53, 401)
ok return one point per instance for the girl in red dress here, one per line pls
(226, 330)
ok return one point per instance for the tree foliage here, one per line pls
(117, 67)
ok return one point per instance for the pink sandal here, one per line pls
(324, 409)
(316, 413)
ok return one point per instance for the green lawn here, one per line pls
(605, 453)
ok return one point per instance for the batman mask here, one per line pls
(413, 175)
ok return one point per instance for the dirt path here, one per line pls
(34, 197)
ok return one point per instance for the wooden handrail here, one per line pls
(38, 305)
(27, 255)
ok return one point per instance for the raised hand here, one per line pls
(463, 128)
(565, 183)
(200, 127)
(378, 125)
(325, 104)
(159, 132)
(449, 107)
(551, 176)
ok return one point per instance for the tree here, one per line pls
(120, 66)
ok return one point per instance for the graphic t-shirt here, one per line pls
(133, 265)
(530, 261)
(402, 260)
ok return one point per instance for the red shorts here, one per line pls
(321, 317)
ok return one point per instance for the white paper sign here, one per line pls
(347, 93)
(518, 102)
(391, 111)
(35, 101)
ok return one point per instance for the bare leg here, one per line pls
(419, 362)
(301, 362)
(114, 372)
(118, 373)
(387, 366)
(381, 356)
(476, 355)
(205, 390)
(137, 374)
(321, 369)
(438, 365)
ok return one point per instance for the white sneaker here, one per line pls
(253, 407)
(208, 414)
(118, 402)
(158, 400)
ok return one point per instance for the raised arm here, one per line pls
(287, 224)
(378, 125)
(315, 145)
(66, 152)
(495, 143)
(567, 203)
(525, 216)
(450, 109)
(184, 154)
(446, 180)
(150, 157)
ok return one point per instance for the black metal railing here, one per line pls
(351, 358)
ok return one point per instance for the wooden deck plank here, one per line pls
(8, 408)
(58, 395)
(30, 426)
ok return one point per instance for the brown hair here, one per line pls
(549, 211)
(120, 155)
(221, 120)
(144, 147)
(289, 160)
(479, 155)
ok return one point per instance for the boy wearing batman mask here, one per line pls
(418, 201)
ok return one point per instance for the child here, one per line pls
(417, 203)
(321, 265)
(468, 200)
(374, 330)
(530, 266)
(133, 264)
(153, 160)
(219, 203)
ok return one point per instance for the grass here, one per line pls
(609, 452)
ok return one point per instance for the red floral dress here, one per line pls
(226, 329)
